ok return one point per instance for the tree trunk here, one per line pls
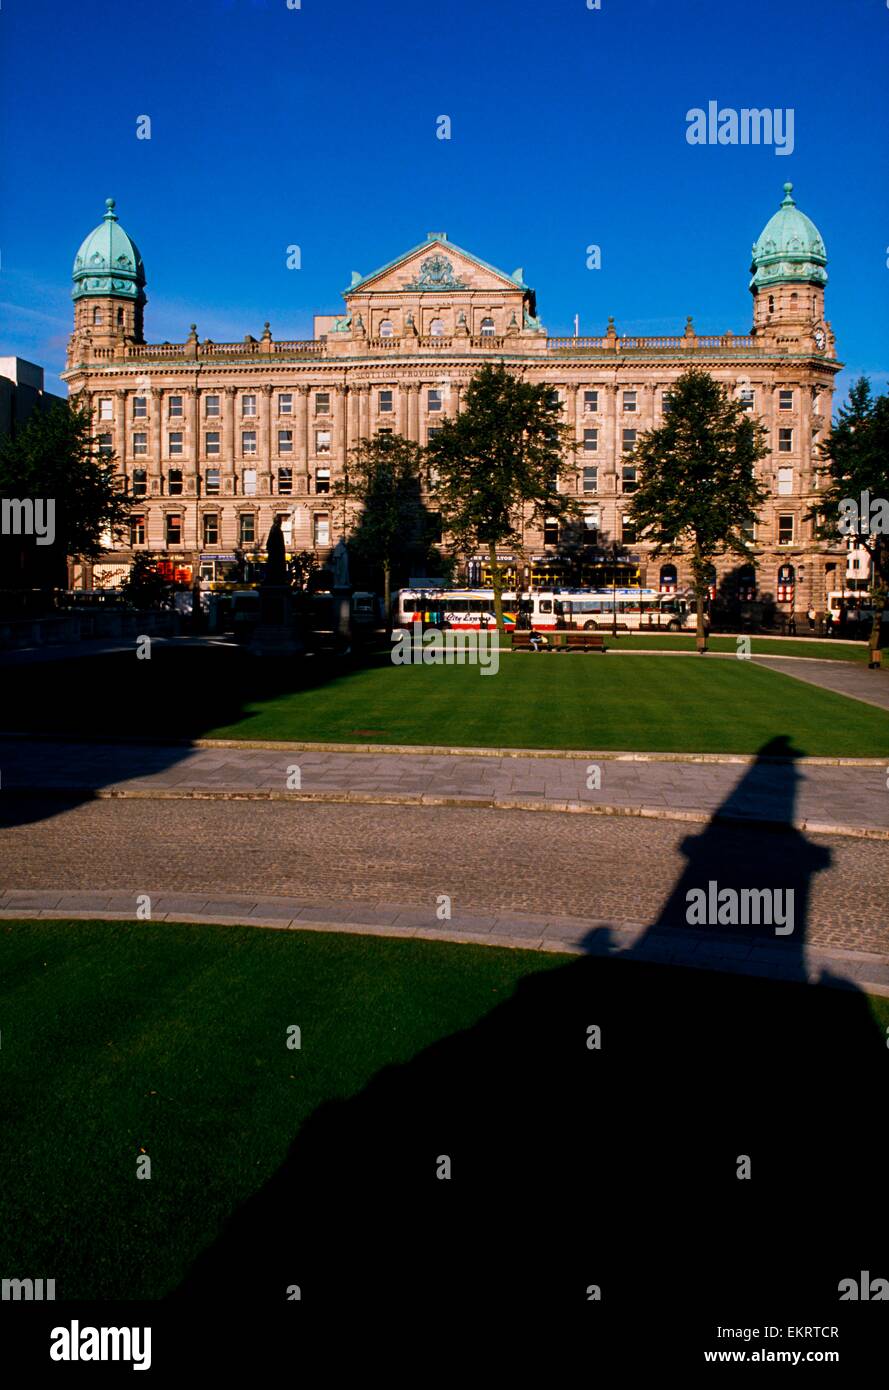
(496, 585)
(700, 634)
(387, 598)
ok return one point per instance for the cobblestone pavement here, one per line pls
(810, 796)
(844, 677)
(339, 860)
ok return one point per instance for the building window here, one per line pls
(785, 441)
(785, 530)
(322, 441)
(248, 442)
(285, 403)
(487, 328)
(592, 519)
(285, 441)
(668, 579)
(106, 448)
(285, 481)
(173, 528)
(667, 402)
(386, 329)
(321, 528)
(591, 480)
(140, 407)
(785, 400)
(551, 530)
(211, 482)
(174, 443)
(771, 303)
(629, 402)
(628, 531)
(322, 480)
(785, 482)
(322, 403)
(174, 482)
(628, 478)
(106, 409)
(387, 429)
(629, 441)
(748, 531)
(247, 528)
(590, 441)
(385, 402)
(174, 406)
(436, 328)
(211, 405)
(249, 482)
(97, 317)
(432, 432)
(211, 443)
(747, 399)
(590, 402)
(140, 482)
(137, 530)
(140, 444)
(211, 528)
(248, 405)
(433, 399)
(120, 318)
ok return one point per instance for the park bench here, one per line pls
(565, 641)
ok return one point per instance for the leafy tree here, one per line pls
(383, 474)
(303, 565)
(696, 486)
(144, 587)
(505, 451)
(53, 456)
(855, 460)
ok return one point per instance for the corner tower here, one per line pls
(109, 289)
(789, 276)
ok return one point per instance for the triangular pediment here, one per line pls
(438, 266)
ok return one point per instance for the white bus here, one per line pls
(545, 610)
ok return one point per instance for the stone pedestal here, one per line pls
(341, 604)
(275, 634)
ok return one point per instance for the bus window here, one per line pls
(546, 605)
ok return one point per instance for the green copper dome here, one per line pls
(789, 249)
(108, 262)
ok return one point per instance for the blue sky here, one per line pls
(317, 127)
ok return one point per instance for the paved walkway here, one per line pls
(845, 677)
(705, 949)
(838, 799)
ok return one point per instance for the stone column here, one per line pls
(157, 403)
(413, 411)
(120, 427)
(265, 424)
(456, 393)
(228, 442)
(353, 411)
(303, 426)
(194, 426)
(364, 411)
(340, 444)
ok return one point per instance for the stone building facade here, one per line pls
(216, 439)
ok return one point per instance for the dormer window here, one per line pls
(386, 329)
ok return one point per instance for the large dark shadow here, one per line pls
(615, 1167)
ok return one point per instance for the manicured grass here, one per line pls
(573, 701)
(123, 1040)
(651, 703)
(759, 646)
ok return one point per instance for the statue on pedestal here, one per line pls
(339, 563)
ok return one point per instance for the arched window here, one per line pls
(668, 579)
(436, 328)
(747, 584)
(120, 318)
(786, 579)
(487, 328)
(771, 303)
(386, 329)
(97, 316)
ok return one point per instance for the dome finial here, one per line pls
(787, 201)
(110, 214)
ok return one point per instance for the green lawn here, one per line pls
(759, 646)
(123, 1039)
(573, 701)
(651, 703)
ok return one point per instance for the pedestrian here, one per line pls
(811, 617)
(791, 625)
(828, 624)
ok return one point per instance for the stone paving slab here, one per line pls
(755, 955)
(848, 798)
(843, 677)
